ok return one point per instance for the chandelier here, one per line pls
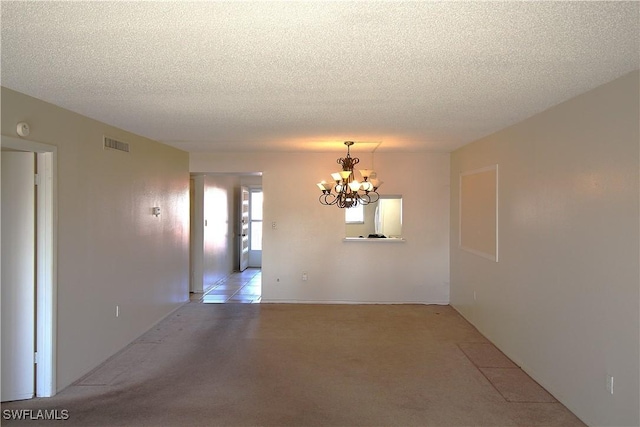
(347, 192)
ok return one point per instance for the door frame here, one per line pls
(46, 260)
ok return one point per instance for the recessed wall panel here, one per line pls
(479, 212)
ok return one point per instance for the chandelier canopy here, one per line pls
(347, 192)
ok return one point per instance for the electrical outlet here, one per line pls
(305, 277)
(610, 384)
(274, 226)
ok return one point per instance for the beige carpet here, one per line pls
(315, 365)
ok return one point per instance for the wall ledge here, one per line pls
(375, 240)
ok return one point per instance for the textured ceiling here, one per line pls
(235, 76)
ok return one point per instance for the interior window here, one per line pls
(354, 215)
(383, 218)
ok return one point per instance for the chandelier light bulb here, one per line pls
(324, 186)
(365, 173)
(345, 175)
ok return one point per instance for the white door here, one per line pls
(18, 275)
(255, 228)
(244, 228)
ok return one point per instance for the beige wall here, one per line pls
(563, 299)
(308, 236)
(111, 250)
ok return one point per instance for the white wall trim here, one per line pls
(404, 302)
(46, 217)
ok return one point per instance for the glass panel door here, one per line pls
(255, 223)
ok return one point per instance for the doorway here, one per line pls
(250, 227)
(32, 324)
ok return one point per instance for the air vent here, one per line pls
(114, 144)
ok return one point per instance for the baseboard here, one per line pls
(295, 301)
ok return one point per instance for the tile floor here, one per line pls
(240, 287)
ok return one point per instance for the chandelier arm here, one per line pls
(374, 196)
(328, 199)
